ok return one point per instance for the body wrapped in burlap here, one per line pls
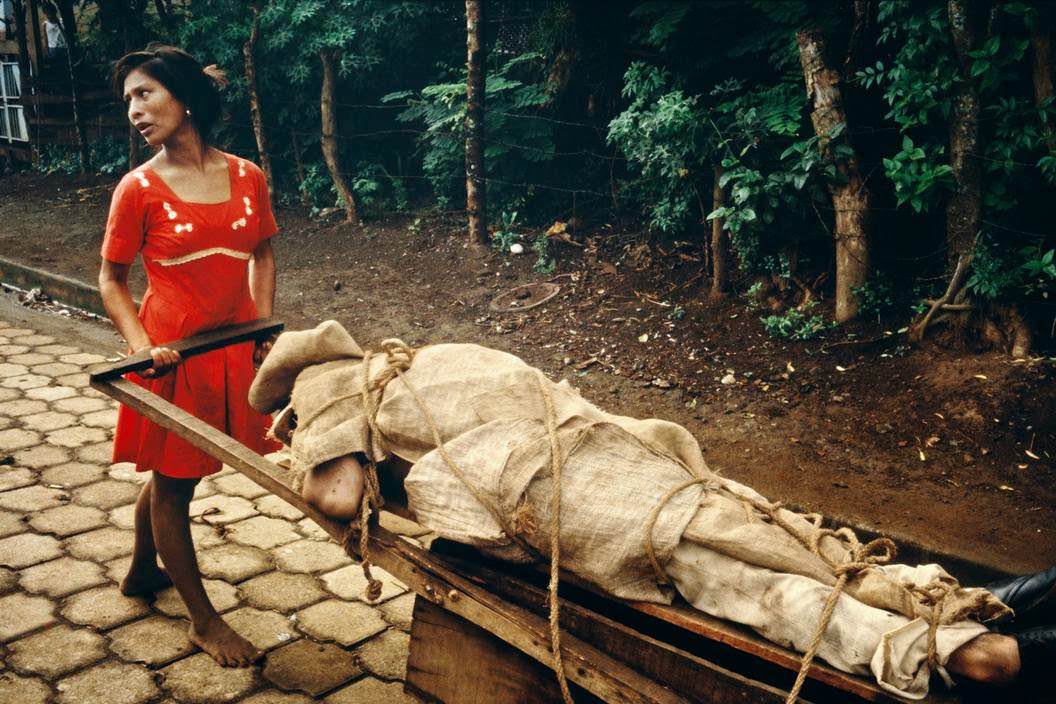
(617, 472)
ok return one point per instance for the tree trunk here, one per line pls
(38, 43)
(298, 165)
(68, 25)
(24, 68)
(328, 141)
(254, 99)
(720, 242)
(861, 33)
(850, 196)
(964, 207)
(165, 14)
(475, 186)
(1041, 44)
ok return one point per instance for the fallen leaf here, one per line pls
(932, 441)
(644, 337)
(1032, 456)
(923, 457)
(1005, 487)
(940, 416)
(790, 368)
(1022, 466)
(840, 369)
(980, 376)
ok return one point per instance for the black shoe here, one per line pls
(1037, 655)
(1025, 594)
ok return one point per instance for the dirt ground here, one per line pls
(949, 448)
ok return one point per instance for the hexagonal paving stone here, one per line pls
(262, 532)
(350, 583)
(205, 536)
(264, 629)
(311, 530)
(126, 472)
(15, 477)
(22, 407)
(310, 556)
(398, 611)
(31, 358)
(57, 651)
(123, 517)
(12, 524)
(33, 339)
(372, 691)
(312, 668)
(76, 436)
(48, 420)
(100, 545)
(54, 369)
(233, 563)
(274, 696)
(106, 494)
(8, 580)
(281, 592)
(199, 679)
(27, 549)
(109, 683)
(274, 507)
(57, 349)
(41, 456)
(79, 405)
(99, 453)
(8, 370)
(51, 393)
(72, 474)
(67, 520)
(340, 621)
(82, 359)
(23, 690)
(103, 608)
(239, 485)
(17, 438)
(223, 596)
(153, 641)
(20, 614)
(77, 381)
(60, 577)
(25, 381)
(222, 509)
(386, 655)
(13, 332)
(105, 419)
(204, 489)
(32, 498)
(11, 350)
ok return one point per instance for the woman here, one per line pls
(201, 219)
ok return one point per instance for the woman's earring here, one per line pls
(188, 111)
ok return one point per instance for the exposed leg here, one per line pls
(170, 501)
(991, 658)
(335, 487)
(144, 577)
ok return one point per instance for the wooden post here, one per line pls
(720, 242)
(24, 67)
(850, 196)
(328, 141)
(254, 99)
(1041, 46)
(38, 44)
(476, 190)
(68, 25)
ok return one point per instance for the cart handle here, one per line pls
(190, 346)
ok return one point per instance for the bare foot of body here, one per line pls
(224, 645)
(145, 583)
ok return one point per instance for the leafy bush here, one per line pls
(107, 155)
(875, 298)
(544, 263)
(505, 236)
(796, 325)
(998, 273)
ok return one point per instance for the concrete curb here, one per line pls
(60, 288)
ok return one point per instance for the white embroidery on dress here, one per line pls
(186, 227)
(142, 179)
(169, 211)
(241, 168)
(241, 222)
(202, 253)
(249, 210)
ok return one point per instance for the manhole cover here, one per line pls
(524, 297)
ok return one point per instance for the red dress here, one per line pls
(197, 258)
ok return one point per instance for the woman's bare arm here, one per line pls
(262, 278)
(117, 299)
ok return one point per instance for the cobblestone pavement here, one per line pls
(68, 636)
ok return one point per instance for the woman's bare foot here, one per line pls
(145, 583)
(223, 644)
(335, 487)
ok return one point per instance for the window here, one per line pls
(12, 81)
(3, 123)
(16, 122)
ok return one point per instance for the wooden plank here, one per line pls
(206, 342)
(457, 662)
(588, 667)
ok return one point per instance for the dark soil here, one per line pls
(951, 448)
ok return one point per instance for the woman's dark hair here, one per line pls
(196, 87)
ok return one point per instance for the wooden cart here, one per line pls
(479, 631)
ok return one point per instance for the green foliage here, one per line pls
(506, 235)
(796, 325)
(876, 297)
(998, 273)
(107, 155)
(544, 263)
(919, 178)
